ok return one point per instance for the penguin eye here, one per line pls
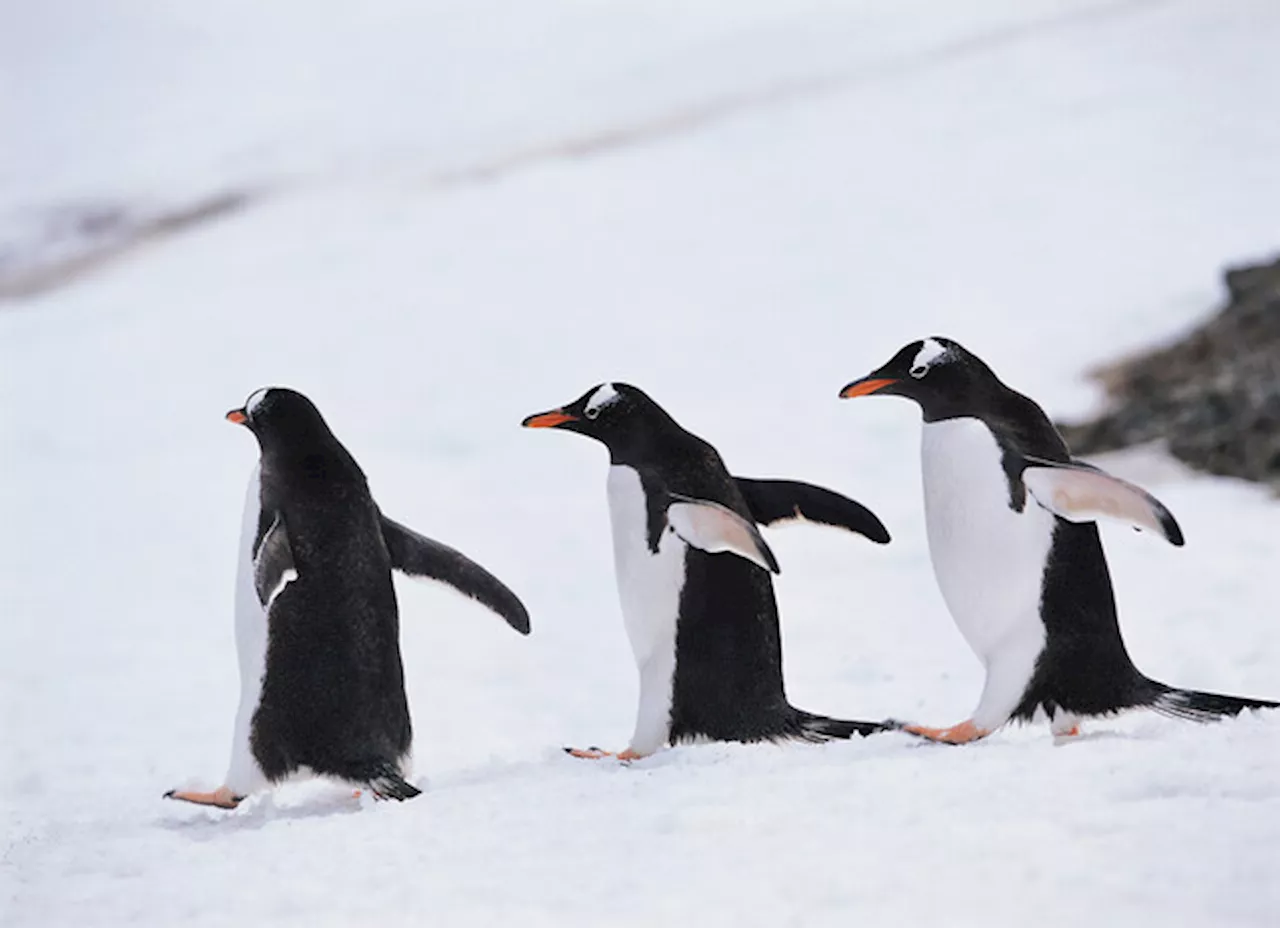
(592, 411)
(919, 371)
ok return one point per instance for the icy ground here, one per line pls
(793, 191)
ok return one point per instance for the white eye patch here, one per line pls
(255, 400)
(604, 396)
(930, 353)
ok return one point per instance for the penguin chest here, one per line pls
(649, 581)
(244, 775)
(988, 557)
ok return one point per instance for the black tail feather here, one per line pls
(387, 783)
(1196, 706)
(818, 728)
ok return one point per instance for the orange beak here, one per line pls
(237, 416)
(865, 387)
(548, 420)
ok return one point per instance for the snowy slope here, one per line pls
(1051, 183)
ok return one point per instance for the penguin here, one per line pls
(1011, 522)
(694, 577)
(317, 625)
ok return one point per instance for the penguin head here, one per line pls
(617, 414)
(943, 377)
(280, 417)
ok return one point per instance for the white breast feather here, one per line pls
(244, 775)
(649, 588)
(988, 558)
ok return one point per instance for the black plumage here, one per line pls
(1084, 668)
(332, 697)
(727, 683)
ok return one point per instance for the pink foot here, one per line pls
(962, 733)
(222, 797)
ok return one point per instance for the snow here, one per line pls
(464, 212)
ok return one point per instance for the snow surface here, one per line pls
(781, 196)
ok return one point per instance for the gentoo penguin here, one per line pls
(1010, 518)
(317, 627)
(694, 578)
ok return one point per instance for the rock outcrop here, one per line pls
(1213, 396)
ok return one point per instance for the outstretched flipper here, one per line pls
(772, 501)
(714, 528)
(273, 567)
(1080, 492)
(418, 556)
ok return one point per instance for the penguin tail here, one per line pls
(387, 783)
(818, 728)
(1195, 706)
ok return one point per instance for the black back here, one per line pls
(333, 691)
(1085, 667)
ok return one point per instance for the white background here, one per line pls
(795, 191)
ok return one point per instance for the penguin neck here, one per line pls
(313, 466)
(654, 448)
(1017, 422)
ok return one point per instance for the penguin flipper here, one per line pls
(773, 501)
(418, 556)
(1080, 492)
(273, 566)
(714, 528)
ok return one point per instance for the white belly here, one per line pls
(988, 558)
(244, 776)
(649, 586)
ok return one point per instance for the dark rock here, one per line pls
(54, 247)
(1212, 396)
